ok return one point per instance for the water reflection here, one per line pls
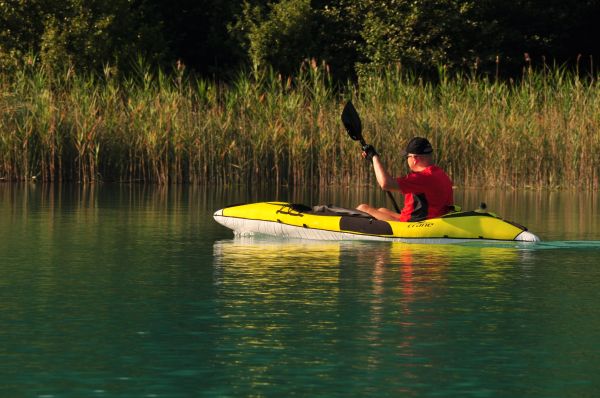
(413, 268)
(288, 305)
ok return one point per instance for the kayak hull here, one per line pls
(289, 220)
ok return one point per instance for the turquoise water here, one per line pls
(136, 292)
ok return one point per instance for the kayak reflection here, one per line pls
(285, 303)
(265, 257)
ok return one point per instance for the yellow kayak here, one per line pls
(290, 220)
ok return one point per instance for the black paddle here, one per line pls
(353, 126)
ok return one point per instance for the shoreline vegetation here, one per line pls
(542, 131)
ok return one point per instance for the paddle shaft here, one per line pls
(353, 125)
(389, 194)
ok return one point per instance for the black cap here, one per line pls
(418, 146)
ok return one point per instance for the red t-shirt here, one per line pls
(427, 194)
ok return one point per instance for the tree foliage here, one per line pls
(85, 34)
(219, 36)
(278, 34)
(418, 34)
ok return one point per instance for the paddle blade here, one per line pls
(352, 122)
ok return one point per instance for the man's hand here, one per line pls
(368, 152)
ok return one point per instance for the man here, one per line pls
(427, 189)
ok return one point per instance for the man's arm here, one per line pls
(385, 180)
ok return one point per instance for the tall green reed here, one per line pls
(264, 128)
(539, 132)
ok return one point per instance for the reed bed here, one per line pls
(542, 131)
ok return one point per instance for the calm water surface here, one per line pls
(120, 291)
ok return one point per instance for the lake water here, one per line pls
(130, 291)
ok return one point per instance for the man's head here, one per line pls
(418, 153)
